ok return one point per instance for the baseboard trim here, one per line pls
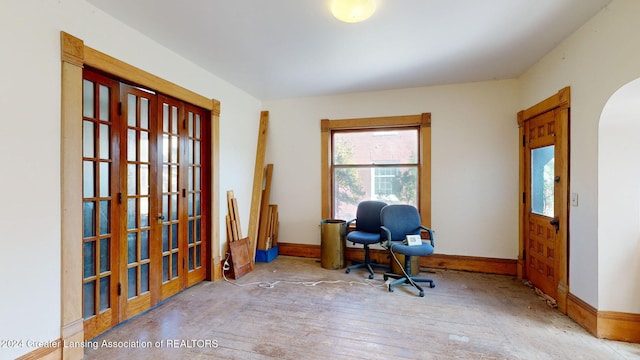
(619, 326)
(435, 261)
(54, 351)
(582, 313)
(610, 325)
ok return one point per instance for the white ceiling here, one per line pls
(293, 48)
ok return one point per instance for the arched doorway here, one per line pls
(619, 203)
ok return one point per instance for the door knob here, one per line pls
(556, 223)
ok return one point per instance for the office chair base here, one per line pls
(401, 279)
(369, 267)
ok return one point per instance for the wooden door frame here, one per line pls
(74, 56)
(561, 102)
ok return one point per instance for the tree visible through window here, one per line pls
(374, 164)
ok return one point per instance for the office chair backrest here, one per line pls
(401, 220)
(368, 216)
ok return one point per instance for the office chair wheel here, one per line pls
(421, 293)
(347, 271)
(432, 285)
(385, 277)
(371, 276)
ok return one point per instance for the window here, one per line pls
(368, 164)
(385, 159)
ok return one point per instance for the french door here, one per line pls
(144, 194)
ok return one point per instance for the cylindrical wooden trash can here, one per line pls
(415, 265)
(332, 243)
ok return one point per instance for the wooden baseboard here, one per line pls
(582, 313)
(619, 326)
(435, 261)
(604, 324)
(53, 351)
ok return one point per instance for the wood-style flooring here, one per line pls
(292, 308)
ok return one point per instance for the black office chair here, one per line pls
(398, 221)
(367, 232)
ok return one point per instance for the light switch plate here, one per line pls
(574, 199)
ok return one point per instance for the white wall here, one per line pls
(474, 161)
(595, 61)
(30, 146)
(619, 200)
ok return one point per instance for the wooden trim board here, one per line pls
(54, 351)
(258, 177)
(610, 325)
(435, 261)
(264, 209)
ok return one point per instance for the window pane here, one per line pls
(88, 146)
(144, 113)
(89, 295)
(131, 110)
(197, 126)
(174, 265)
(132, 145)
(105, 218)
(104, 103)
(132, 282)
(165, 268)
(132, 211)
(144, 245)
(542, 180)
(144, 278)
(165, 148)
(104, 141)
(174, 149)
(144, 179)
(174, 236)
(88, 179)
(375, 147)
(132, 248)
(165, 238)
(144, 212)
(165, 117)
(198, 256)
(104, 256)
(174, 122)
(89, 259)
(144, 146)
(104, 179)
(87, 98)
(391, 184)
(132, 179)
(104, 293)
(88, 219)
(174, 178)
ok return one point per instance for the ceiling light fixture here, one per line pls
(352, 11)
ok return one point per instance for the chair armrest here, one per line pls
(430, 234)
(387, 234)
(350, 222)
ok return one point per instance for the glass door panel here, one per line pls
(542, 180)
(100, 305)
(194, 191)
(138, 265)
(170, 197)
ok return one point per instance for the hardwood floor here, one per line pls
(313, 313)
